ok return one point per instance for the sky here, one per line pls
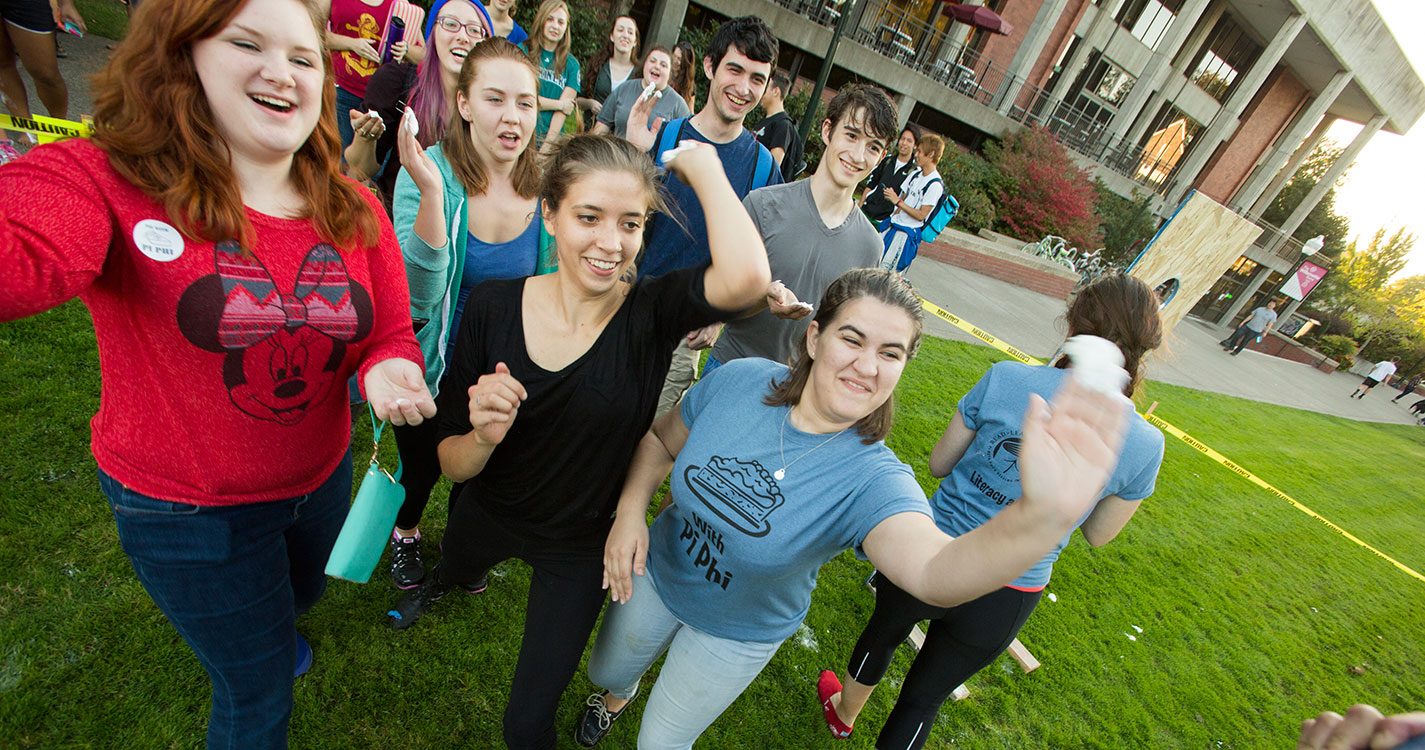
(1383, 189)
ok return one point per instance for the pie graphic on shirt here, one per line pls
(741, 492)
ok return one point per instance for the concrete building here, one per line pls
(1227, 97)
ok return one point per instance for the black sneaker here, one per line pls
(597, 719)
(416, 603)
(407, 570)
(477, 587)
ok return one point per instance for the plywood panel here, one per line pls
(1196, 246)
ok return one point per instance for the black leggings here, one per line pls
(565, 596)
(420, 470)
(962, 640)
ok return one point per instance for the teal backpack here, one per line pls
(940, 216)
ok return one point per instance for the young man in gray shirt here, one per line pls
(1258, 325)
(812, 229)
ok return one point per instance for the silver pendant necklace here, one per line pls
(781, 473)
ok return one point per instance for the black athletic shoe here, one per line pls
(597, 719)
(416, 603)
(407, 569)
(479, 586)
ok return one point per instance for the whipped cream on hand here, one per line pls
(686, 145)
(408, 121)
(1096, 364)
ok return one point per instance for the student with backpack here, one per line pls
(738, 66)
(812, 229)
(890, 173)
(921, 194)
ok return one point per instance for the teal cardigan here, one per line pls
(434, 272)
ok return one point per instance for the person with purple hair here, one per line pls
(466, 212)
(453, 27)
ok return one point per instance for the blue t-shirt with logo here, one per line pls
(737, 554)
(670, 246)
(986, 479)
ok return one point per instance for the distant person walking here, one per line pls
(1408, 388)
(1378, 374)
(1257, 325)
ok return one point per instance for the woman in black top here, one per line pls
(615, 62)
(553, 383)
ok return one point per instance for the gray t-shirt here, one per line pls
(616, 108)
(806, 256)
(1261, 318)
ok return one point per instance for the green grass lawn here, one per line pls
(1252, 612)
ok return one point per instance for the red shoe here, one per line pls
(828, 685)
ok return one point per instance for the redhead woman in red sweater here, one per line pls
(236, 281)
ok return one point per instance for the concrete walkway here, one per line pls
(1035, 324)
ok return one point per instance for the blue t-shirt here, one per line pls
(986, 478)
(515, 259)
(670, 246)
(552, 85)
(737, 553)
(517, 34)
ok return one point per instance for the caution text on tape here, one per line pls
(46, 129)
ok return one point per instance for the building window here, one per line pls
(1109, 82)
(1168, 139)
(1148, 20)
(1226, 55)
(1063, 60)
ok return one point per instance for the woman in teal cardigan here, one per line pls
(466, 211)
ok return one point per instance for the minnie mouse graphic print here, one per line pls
(282, 350)
(223, 367)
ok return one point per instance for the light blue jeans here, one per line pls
(701, 677)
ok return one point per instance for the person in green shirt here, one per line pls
(548, 49)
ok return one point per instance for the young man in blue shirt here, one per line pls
(738, 65)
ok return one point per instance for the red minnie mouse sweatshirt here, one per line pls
(224, 372)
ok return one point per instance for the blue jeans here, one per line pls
(345, 102)
(232, 580)
(709, 365)
(701, 677)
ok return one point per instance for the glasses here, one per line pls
(476, 30)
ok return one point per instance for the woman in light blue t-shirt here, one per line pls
(980, 457)
(776, 470)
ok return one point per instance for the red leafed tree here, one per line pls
(1041, 191)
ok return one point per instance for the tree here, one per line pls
(1358, 283)
(1127, 223)
(1041, 190)
(1323, 219)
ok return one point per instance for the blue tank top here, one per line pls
(484, 261)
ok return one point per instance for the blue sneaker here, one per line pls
(304, 657)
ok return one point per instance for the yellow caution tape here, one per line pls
(47, 129)
(1196, 444)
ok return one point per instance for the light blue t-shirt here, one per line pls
(986, 478)
(737, 554)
